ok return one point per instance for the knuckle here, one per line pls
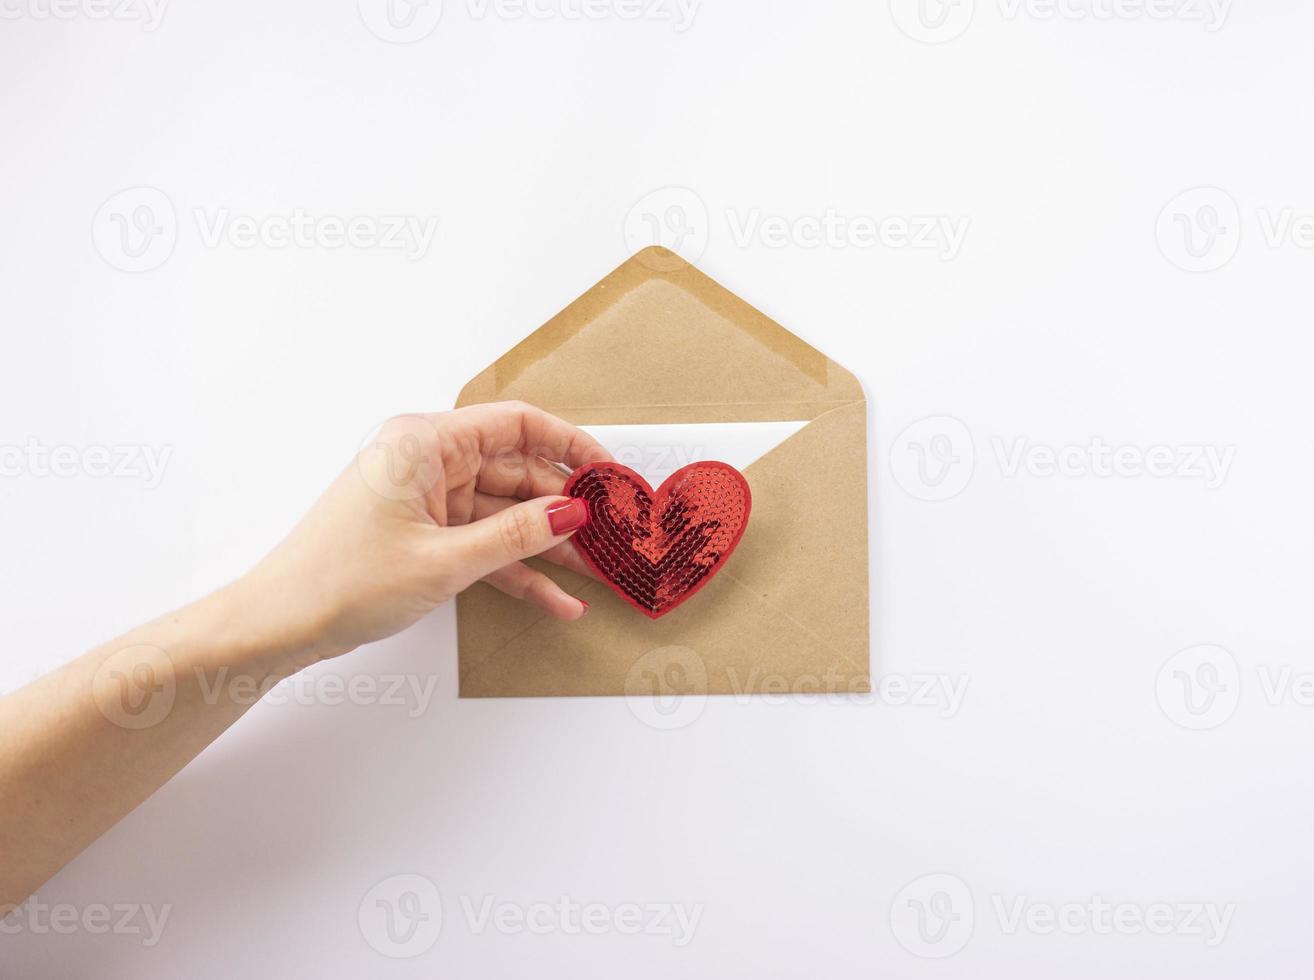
(538, 590)
(517, 531)
(408, 431)
(397, 426)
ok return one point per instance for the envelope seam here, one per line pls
(840, 406)
(819, 638)
(462, 674)
(836, 402)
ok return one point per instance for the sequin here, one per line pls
(656, 549)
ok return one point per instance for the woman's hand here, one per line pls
(432, 504)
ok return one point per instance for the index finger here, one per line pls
(518, 426)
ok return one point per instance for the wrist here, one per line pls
(261, 631)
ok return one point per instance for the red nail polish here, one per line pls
(585, 605)
(568, 515)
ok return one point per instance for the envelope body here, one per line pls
(658, 342)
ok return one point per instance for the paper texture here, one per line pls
(658, 343)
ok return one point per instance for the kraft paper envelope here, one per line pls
(659, 342)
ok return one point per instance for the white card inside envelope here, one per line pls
(657, 451)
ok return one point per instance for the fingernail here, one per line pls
(568, 515)
(586, 607)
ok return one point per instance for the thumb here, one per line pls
(520, 531)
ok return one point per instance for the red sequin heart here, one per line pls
(656, 550)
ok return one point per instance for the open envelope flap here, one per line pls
(657, 341)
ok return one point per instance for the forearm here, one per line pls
(83, 746)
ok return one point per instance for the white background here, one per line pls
(1068, 315)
